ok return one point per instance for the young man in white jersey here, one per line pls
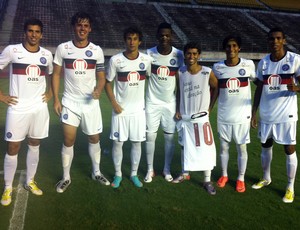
(128, 71)
(197, 91)
(84, 80)
(276, 98)
(234, 76)
(161, 99)
(27, 113)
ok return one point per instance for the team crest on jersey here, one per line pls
(88, 53)
(172, 61)
(142, 65)
(133, 78)
(274, 82)
(43, 60)
(9, 135)
(233, 85)
(285, 67)
(163, 72)
(79, 66)
(65, 116)
(242, 72)
(116, 134)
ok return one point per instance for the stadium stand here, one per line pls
(206, 21)
(287, 5)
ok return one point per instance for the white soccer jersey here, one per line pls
(27, 76)
(129, 85)
(277, 104)
(80, 66)
(194, 91)
(234, 102)
(162, 82)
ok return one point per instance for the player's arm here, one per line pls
(55, 88)
(214, 90)
(292, 86)
(100, 84)
(177, 114)
(110, 94)
(256, 101)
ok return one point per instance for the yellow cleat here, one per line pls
(289, 196)
(6, 197)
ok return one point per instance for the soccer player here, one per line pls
(197, 91)
(27, 112)
(161, 99)
(276, 97)
(84, 80)
(128, 70)
(234, 76)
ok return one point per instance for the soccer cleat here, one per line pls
(240, 186)
(210, 188)
(116, 182)
(32, 187)
(222, 181)
(149, 176)
(261, 183)
(289, 196)
(168, 177)
(6, 197)
(62, 185)
(100, 178)
(136, 181)
(181, 178)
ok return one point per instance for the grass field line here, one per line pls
(20, 206)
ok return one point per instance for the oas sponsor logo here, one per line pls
(133, 78)
(162, 73)
(43, 60)
(274, 82)
(242, 72)
(80, 65)
(88, 53)
(285, 67)
(172, 61)
(9, 135)
(233, 85)
(33, 72)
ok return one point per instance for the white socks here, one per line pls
(95, 154)
(10, 167)
(150, 148)
(242, 160)
(32, 161)
(67, 154)
(291, 168)
(117, 155)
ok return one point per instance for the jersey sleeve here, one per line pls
(50, 66)
(112, 70)
(5, 58)
(252, 70)
(100, 60)
(259, 70)
(58, 57)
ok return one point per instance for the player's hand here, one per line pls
(9, 100)
(57, 107)
(96, 93)
(254, 121)
(47, 97)
(291, 86)
(178, 116)
(117, 108)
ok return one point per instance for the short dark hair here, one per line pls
(163, 25)
(77, 17)
(33, 21)
(192, 45)
(133, 30)
(231, 37)
(276, 29)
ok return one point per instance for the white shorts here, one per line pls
(281, 133)
(132, 127)
(238, 132)
(87, 115)
(34, 125)
(196, 136)
(162, 115)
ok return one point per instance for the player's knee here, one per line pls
(268, 144)
(289, 149)
(151, 137)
